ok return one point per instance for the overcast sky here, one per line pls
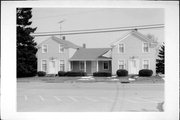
(46, 20)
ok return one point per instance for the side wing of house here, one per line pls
(133, 53)
(91, 60)
(54, 56)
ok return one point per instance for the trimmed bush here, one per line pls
(41, 73)
(101, 74)
(145, 73)
(76, 73)
(122, 72)
(61, 73)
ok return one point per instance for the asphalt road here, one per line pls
(88, 97)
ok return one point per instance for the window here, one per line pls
(61, 48)
(121, 64)
(146, 64)
(106, 65)
(44, 65)
(81, 65)
(145, 47)
(62, 65)
(121, 48)
(44, 48)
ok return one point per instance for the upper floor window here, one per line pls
(121, 64)
(44, 48)
(62, 65)
(106, 65)
(44, 65)
(121, 48)
(61, 48)
(146, 64)
(145, 47)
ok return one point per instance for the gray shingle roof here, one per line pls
(66, 43)
(142, 36)
(90, 54)
(137, 34)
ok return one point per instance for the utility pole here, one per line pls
(60, 22)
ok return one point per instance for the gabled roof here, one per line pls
(137, 34)
(67, 44)
(90, 54)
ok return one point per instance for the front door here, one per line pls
(133, 66)
(93, 66)
(88, 67)
(52, 67)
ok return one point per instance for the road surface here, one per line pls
(88, 97)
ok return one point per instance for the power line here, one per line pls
(151, 25)
(102, 30)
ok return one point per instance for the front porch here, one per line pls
(91, 66)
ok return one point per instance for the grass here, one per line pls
(153, 79)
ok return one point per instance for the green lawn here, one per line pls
(153, 79)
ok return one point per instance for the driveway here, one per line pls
(38, 96)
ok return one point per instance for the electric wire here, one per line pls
(103, 30)
(151, 25)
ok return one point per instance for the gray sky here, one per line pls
(46, 20)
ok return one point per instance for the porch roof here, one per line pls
(90, 54)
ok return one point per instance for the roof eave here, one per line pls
(91, 59)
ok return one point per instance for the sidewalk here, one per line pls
(89, 79)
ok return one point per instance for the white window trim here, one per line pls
(143, 63)
(59, 49)
(108, 65)
(43, 47)
(64, 64)
(124, 48)
(123, 61)
(143, 47)
(46, 64)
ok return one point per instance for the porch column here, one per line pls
(69, 66)
(97, 66)
(84, 66)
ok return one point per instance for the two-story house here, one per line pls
(53, 55)
(133, 52)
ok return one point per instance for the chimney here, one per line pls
(136, 29)
(84, 45)
(63, 37)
